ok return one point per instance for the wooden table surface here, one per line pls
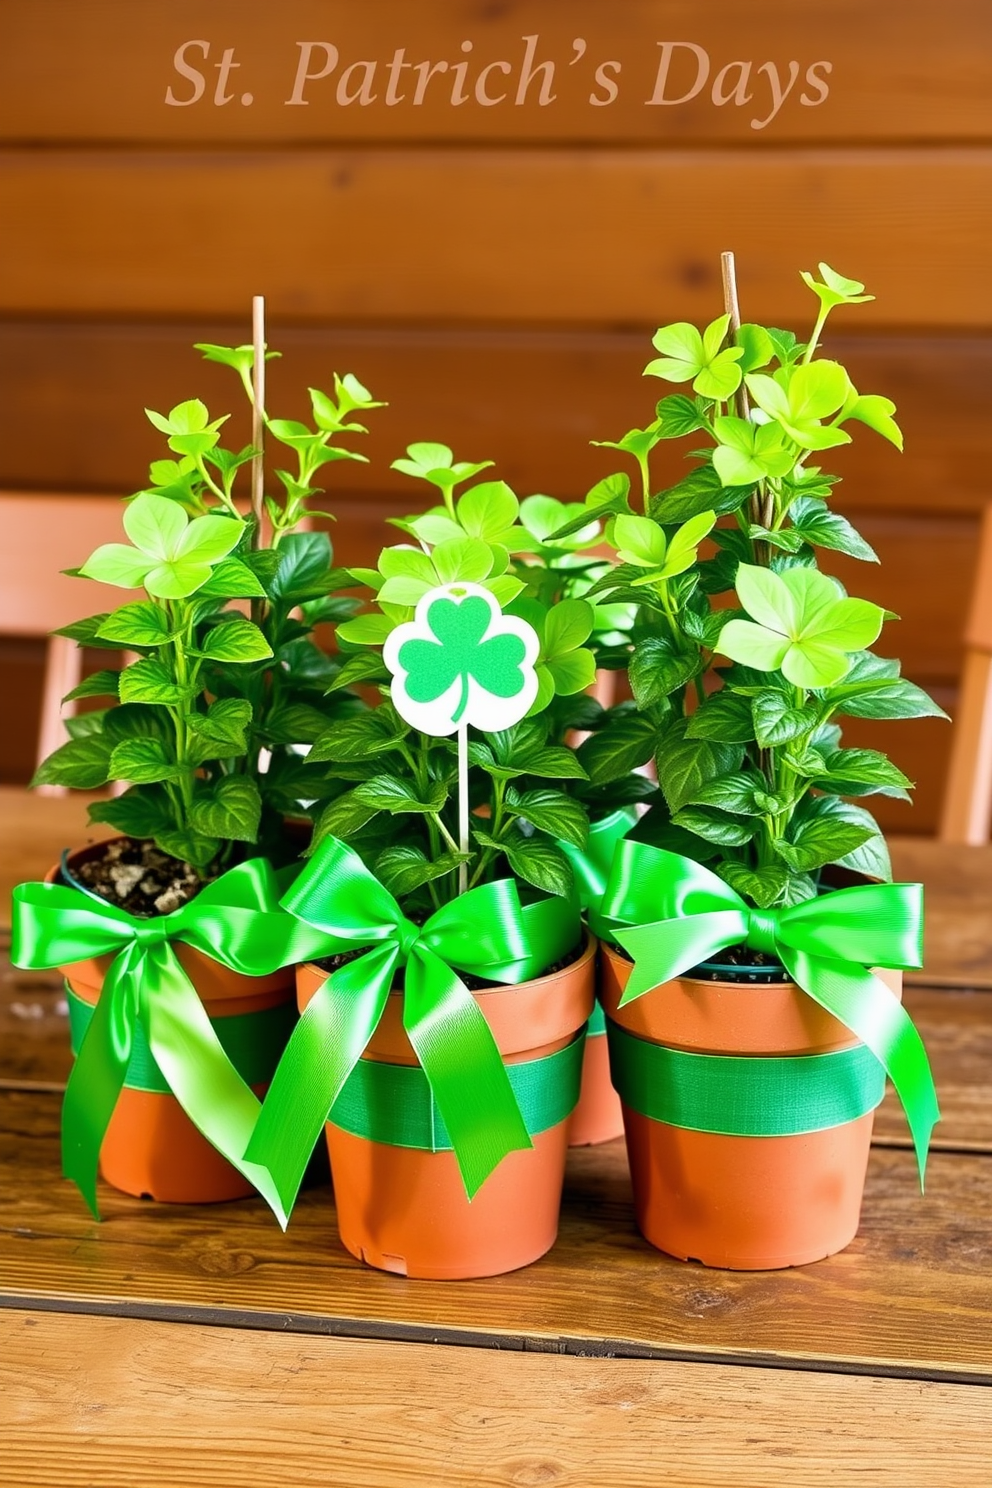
(174, 1345)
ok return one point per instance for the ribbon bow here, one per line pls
(671, 913)
(486, 931)
(237, 920)
(591, 863)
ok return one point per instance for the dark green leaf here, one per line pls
(293, 723)
(872, 856)
(342, 818)
(659, 666)
(150, 681)
(391, 793)
(142, 811)
(817, 524)
(776, 721)
(734, 792)
(402, 870)
(304, 569)
(365, 667)
(626, 742)
(86, 632)
(231, 579)
(220, 732)
(762, 885)
(723, 716)
(231, 810)
(686, 765)
(100, 684)
(82, 764)
(357, 738)
(814, 842)
(678, 415)
(537, 861)
(553, 812)
(143, 762)
(714, 826)
(698, 492)
(861, 772)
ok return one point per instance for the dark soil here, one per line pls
(138, 877)
(473, 983)
(735, 963)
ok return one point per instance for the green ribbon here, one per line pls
(237, 921)
(394, 1104)
(744, 1096)
(486, 931)
(251, 1041)
(591, 863)
(670, 914)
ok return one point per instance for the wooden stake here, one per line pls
(463, 805)
(258, 416)
(761, 513)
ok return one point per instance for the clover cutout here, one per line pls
(462, 661)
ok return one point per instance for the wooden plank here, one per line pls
(958, 882)
(102, 73)
(555, 236)
(910, 1296)
(71, 395)
(134, 1403)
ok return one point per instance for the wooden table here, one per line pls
(179, 1345)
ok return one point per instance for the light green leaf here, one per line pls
(140, 624)
(236, 640)
(118, 564)
(149, 681)
(143, 761)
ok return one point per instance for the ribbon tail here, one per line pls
(199, 1073)
(865, 1005)
(463, 1066)
(668, 947)
(324, 1048)
(97, 1076)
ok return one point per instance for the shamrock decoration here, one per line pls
(460, 661)
(171, 557)
(806, 625)
(702, 360)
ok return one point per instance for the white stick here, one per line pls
(257, 418)
(463, 804)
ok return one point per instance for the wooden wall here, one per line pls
(495, 271)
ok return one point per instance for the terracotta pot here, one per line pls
(151, 1148)
(405, 1210)
(598, 1117)
(740, 1202)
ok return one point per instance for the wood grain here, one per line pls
(911, 1295)
(926, 78)
(72, 394)
(591, 235)
(129, 1403)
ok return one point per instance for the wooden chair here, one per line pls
(44, 534)
(968, 794)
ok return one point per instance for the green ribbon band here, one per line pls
(596, 1026)
(393, 1103)
(670, 913)
(252, 1042)
(486, 932)
(751, 1096)
(238, 921)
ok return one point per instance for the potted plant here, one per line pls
(749, 1037)
(440, 1039)
(176, 951)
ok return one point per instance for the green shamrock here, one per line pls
(702, 360)
(171, 557)
(806, 625)
(459, 652)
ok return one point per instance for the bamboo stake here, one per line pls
(761, 511)
(258, 416)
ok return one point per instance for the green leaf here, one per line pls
(236, 639)
(230, 810)
(607, 496)
(150, 681)
(777, 721)
(566, 626)
(685, 765)
(365, 667)
(220, 732)
(722, 716)
(540, 863)
(294, 723)
(304, 568)
(835, 289)
(118, 564)
(488, 510)
(391, 793)
(736, 793)
(142, 811)
(100, 684)
(367, 630)
(361, 737)
(861, 772)
(435, 463)
(876, 412)
(658, 667)
(573, 672)
(678, 415)
(817, 841)
(343, 817)
(232, 579)
(81, 764)
(714, 825)
(143, 761)
(403, 870)
(700, 491)
(763, 885)
(551, 811)
(817, 524)
(626, 742)
(140, 624)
